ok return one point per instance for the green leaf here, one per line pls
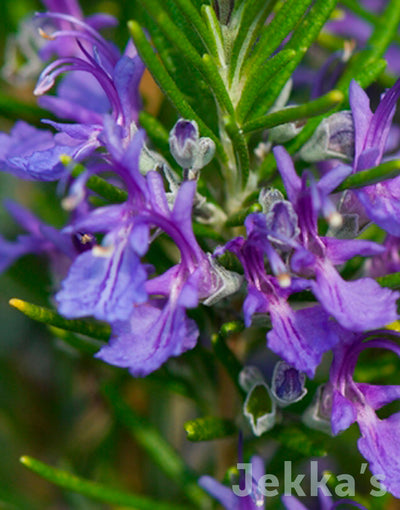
(390, 280)
(209, 428)
(214, 30)
(211, 73)
(251, 18)
(285, 19)
(172, 32)
(204, 64)
(259, 79)
(94, 490)
(382, 36)
(321, 105)
(241, 150)
(158, 449)
(92, 329)
(370, 72)
(192, 15)
(303, 36)
(382, 172)
(83, 345)
(98, 184)
(167, 84)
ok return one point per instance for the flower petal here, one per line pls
(105, 285)
(300, 337)
(358, 305)
(153, 333)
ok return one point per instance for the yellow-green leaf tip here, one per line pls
(336, 96)
(19, 304)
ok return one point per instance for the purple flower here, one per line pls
(289, 227)
(159, 328)
(316, 256)
(100, 81)
(386, 262)
(67, 46)
(107, 280)
(357, 402)
(31, 153)
(40, 239)
(110, 282)
(300, 337)
(371, 134)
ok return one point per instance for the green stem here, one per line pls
(209, 428)
(382, 172)
(313, 108)
(102, 187)
(258, 79)
(94, 490)
(41, 314)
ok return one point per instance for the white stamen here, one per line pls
(102, 251)
(45, 35)
(335, 220)
(284, 280)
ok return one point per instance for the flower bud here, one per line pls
(268, 197)
(183, 140)
(318, 415)
(259, 408)
(283, 222)
(225, 282)
(287, 384)
(188, 149)
(334, 138)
